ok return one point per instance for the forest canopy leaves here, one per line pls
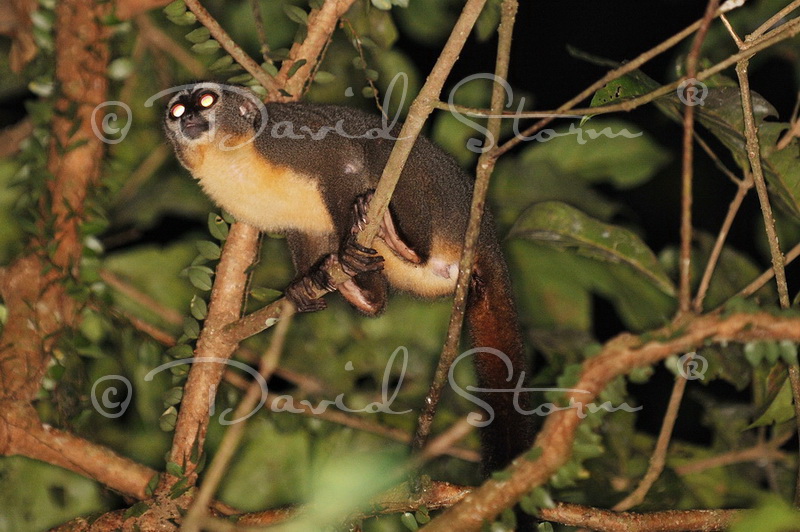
(561, 225)
(719, 110)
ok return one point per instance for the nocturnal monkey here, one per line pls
(307, 171)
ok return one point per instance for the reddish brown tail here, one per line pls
(492, 322)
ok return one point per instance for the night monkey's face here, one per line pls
(196, 114)
(191, 113)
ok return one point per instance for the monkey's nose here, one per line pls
(193, 126)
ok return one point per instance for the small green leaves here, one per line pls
(198, 307)
(175, 9)
(180, 351)
(136, 510)
(537, 499)
(296, 66)
(200, 277)
(167, 423)
(222, 63)
(777, 410)
(561, 225)
(199, 35)
(173, 396)
(296, 14)
(206, 48)
(150, 489)
(208, 250)
(240, 79)
(191, 328)
(174, 469)
(217, 227)
(409, 521)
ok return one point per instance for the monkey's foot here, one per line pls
(360, 208)
(356, 258)
(302, 292)
(387, 230)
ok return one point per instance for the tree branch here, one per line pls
(620, 356)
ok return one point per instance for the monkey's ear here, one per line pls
(249, 109)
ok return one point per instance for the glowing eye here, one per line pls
(177, 110)
(207, 100)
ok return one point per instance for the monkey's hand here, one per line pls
(302, 291)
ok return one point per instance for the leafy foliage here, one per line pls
(584, 260)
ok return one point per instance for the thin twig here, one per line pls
(230, 442)
(794, 131)
(778, 260)
(763, 451)
(669, 521)
(733, 209)
(229, 45)
(170, 315)
(687, 160)
(774, 19)
(787, 31)
(619, 356)
(321, 25)
(258, 18)
(659, 457)
(485, 166)
(156, 38)
(765, 277)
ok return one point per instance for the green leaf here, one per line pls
(408, 519)
(217, 227)
(167, 423)
(488, 21)
(173, 396)
(186, 19)
(296, 14)
(265, 295)
(772, 514)
(612, 151)
(153, 483)
(208, 249)
(199, 35)
(200, 279)
(175, 9)
(222, 63)
(383, 5)
(206, 48)
(191, 328)
(323, 77)
(180, 351)
(240, 79)
(136, 510)
(561, 225)
(778, 410)
(198, 308)
(788, 352)
(295, 67)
